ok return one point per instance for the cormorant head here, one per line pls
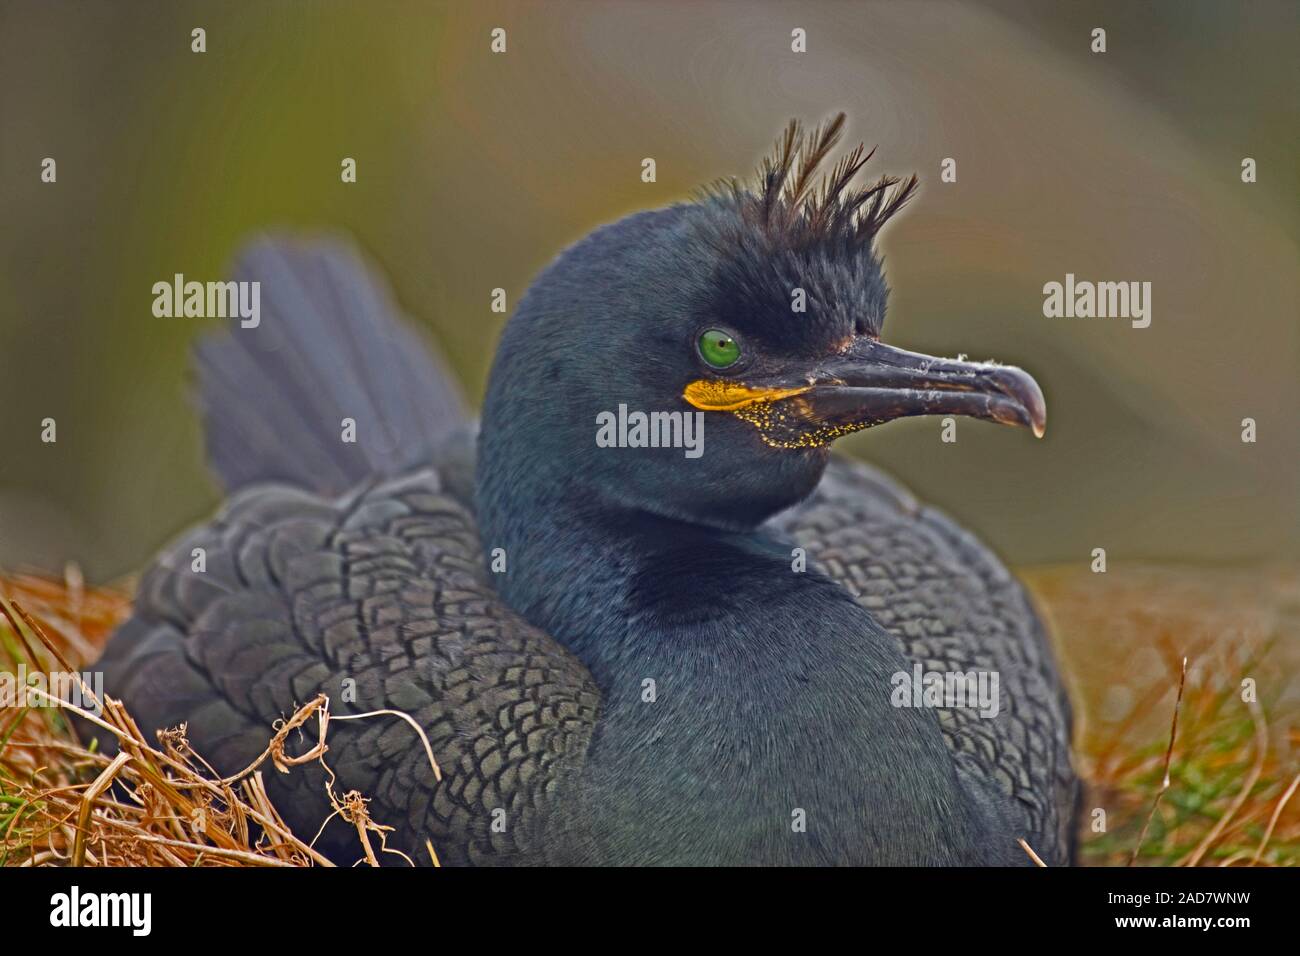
(756, 312)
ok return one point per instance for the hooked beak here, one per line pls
(873, 383)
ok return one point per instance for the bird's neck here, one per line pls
(747, 698)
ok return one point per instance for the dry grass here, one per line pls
(1187, 768)
(156, 803)
(1221, 790)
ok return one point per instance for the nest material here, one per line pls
(1216, 788)
(159, 803)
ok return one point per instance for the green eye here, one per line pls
(718, 348)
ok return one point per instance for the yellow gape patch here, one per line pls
(716, 395)
(780, 424)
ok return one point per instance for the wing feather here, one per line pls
(383, 588)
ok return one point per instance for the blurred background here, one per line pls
(475, 169)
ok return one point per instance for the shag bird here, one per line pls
(621, 653)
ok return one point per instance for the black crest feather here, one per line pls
(787, 203)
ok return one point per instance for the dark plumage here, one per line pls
(650, 679)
